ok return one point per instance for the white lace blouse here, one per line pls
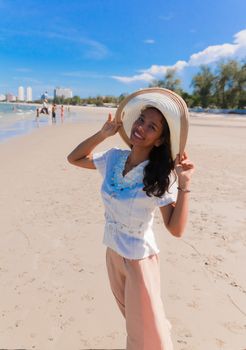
(129, 212)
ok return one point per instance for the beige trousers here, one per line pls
(136, 287)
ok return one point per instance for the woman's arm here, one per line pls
(175, 215)
(81, 156)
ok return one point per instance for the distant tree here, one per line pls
(203, 84)
(241, 82)
(170, 81)
(228, 84)
(191, 100)
(60, 100)
(98, 101)
(121, 97)
(75, 100)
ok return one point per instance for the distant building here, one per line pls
(10, 97)
(29, 94)
(2, 97)
(63, 92)
(21, 96)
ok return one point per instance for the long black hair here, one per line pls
(157, 172)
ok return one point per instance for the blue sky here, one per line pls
(109, 47)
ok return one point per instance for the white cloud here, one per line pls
(217, 52)
(83, 74)
(212, 54)
(209, 55)
(160, 70)
(240, 38)
(23, 70)
(92, 48)
(140, 77)
(167, 17)
(95, 49)
(149, 41)
(27, 80)
(151, 73)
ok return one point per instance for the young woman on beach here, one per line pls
(155, 172)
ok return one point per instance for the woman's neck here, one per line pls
(138, 155)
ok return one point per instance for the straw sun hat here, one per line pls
(171, 105)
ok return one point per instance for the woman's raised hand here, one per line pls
(184, 168)
(111, 127)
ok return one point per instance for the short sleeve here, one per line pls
(169, 196)
(100, 160)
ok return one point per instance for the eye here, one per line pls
(152, 127)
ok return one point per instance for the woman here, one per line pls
(135, 182)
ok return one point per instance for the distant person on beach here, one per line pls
(62, 113)
(37, 113)
(154, 172)
(45, 109)
(37, 116)
(53, 112)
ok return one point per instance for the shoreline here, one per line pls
(80, 114)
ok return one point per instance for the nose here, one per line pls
(144, 128)
(140, 129)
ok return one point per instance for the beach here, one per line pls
(55, 292)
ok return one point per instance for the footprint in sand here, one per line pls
(234, 327)
(182, 341)
(220, 343)
(184, 333)
(174, 297)
(193, 305)
(89, 310)
(87, 297)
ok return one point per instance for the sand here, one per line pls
(54, 289)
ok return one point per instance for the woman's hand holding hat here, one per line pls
(184, 169)
(111, 127)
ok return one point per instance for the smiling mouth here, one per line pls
(137, 135)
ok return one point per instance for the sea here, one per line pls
(19, 119)
(16, 120)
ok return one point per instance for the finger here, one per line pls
(117, 123)
(187, 162)
(109, 117)
(184, 156)
(177, 160)
(117, 126)
(188, 166)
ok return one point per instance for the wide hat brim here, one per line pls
(171, 105)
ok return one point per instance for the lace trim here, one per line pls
(131, 179)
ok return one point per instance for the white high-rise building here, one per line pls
(63, 92)
(21, 96)
(29, 94)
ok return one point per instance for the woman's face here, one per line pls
(147, 129)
